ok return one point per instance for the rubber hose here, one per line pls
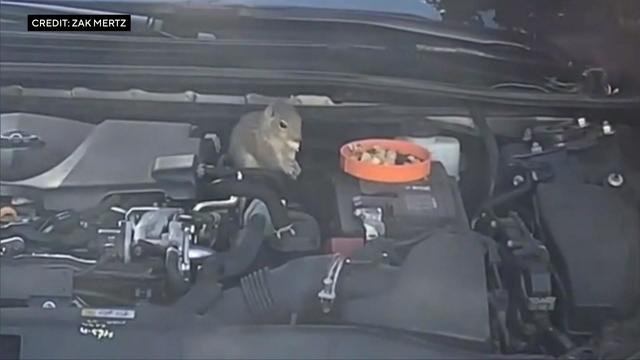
(510, 195)
(491, 147)
(275, 179)
(254, 189)
(272, 178)
(272, 296)
(235, 262)
(176, 284)
(249, 240)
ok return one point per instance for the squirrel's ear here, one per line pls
(270, 112)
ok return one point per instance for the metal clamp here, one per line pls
(328, 293)
(371, 221)
(285, 229)
(185, 261)
(231, 202)
(13, 244)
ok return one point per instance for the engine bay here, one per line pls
(524, 242)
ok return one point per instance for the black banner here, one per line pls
(79, 22)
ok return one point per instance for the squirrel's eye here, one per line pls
(283, 124)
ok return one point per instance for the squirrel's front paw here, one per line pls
(292, 169)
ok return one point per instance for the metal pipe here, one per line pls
(232, 201)
(12, 245)
(55, 256)
(11, 240)
(138, 209)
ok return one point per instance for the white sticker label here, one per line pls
(109, 313)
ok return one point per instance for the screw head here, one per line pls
(536, 148)
(615, 180)
(517, 180)
(582, 122)
(49, 304)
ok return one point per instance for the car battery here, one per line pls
(405, 208)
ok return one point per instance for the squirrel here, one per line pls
(268, 139)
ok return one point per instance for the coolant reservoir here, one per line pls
(444, 149)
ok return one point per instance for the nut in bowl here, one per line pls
(378, 155)
(385, 160)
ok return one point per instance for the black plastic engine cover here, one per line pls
(596, 232)
(593, 226)
(28, 285)
(441, 290)
(74, 165)
(591, 222)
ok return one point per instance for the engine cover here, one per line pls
(590, 217)
(595, 232)
(441, 290)
(67, 164)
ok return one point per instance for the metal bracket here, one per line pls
(284, 230)
(372, 222)
(328, 293)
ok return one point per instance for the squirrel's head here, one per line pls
(284, 121)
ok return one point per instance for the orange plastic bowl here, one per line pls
(387, 173)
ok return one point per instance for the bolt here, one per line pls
(607, 129)
(536, 147)
(493, 224)
(615, 180)
(534, 176)
(48, 305)
(512, 244)
(582, 122)
(608, 89)
(385, 254)
(517, 180)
